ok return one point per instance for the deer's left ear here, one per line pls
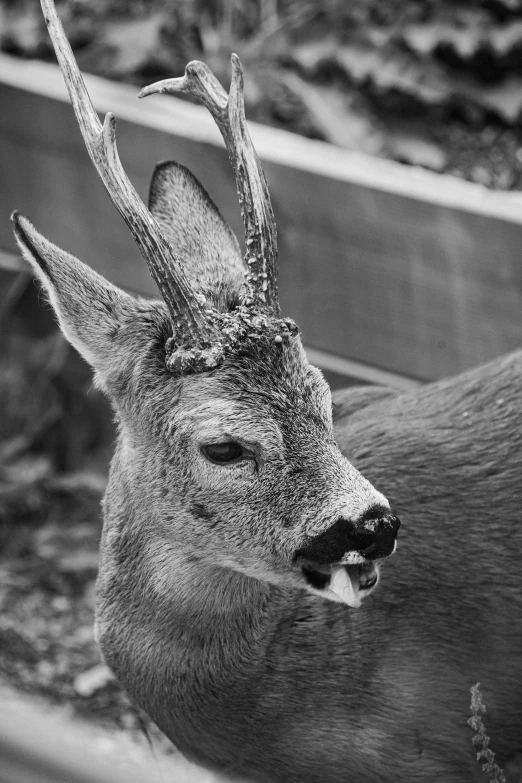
(93, 314)
(197, 232)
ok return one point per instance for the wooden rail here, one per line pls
(338, 370)
(383, 266)
(41, 743)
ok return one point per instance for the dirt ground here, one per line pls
(47, 571)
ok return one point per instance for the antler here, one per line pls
(228, 113)
(194, 330)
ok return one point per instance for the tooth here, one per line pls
(344, 587)
(352, 558)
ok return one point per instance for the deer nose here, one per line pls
(373, 535)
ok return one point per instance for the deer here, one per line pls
(254, 596)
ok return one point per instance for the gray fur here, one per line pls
(269, 682)
(201, 611)
(195, 228)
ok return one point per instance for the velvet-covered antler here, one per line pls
(202, 337)
(195, 330)
(229, 115)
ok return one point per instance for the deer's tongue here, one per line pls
(345, 583)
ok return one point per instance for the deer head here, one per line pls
(225, 429)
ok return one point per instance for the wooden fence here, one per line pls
(392, 273)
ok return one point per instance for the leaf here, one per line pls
(395, 71)
(135, 41)
(22, 28)
(506, 38)
(124, 46)
(334, 118)
(427, 82)
(465, 41)
(93, 680)
(70, 549)
(79, 481)
(504, 100)
(418, 152)
(426, 38)
(26, 471)
(385, 69)
(311, 55)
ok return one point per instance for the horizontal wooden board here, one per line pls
(37, 318)
(415, 273)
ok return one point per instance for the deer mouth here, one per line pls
(347, 582)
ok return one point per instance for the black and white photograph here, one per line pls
(260, 391)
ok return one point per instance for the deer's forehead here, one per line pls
(276, 418)
(222, 418)
(259, 397)
(223, 409)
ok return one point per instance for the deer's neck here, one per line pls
(168, 624)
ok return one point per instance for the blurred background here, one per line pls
(391, 281)
(427, 82)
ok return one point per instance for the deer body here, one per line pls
(277, 685)
(245, 520)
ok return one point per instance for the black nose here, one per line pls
(373, 535)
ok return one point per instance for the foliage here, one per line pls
(480, 738)
(54, 430)
(437, 83)
(55, 433)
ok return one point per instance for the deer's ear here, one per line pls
(199, 235)
(90, 310)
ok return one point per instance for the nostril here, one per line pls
(383, 528)
(330, 546)
(373, 514)
(373, 535)
(378, 518)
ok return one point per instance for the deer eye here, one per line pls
(223, 453)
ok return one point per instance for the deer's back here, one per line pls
(449, 458)
(449, 607)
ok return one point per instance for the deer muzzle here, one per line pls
(340, 563)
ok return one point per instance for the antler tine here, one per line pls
(228, 113)
(190, 322)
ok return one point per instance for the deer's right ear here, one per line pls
(90, 310)
(197, 232)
